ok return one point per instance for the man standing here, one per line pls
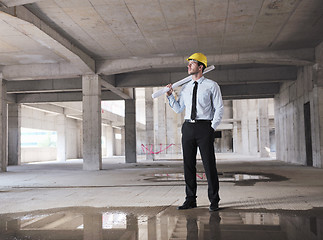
(202, 100)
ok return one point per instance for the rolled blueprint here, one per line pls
(179, 83)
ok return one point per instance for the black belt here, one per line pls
(197, 120)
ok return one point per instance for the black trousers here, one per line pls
(199, 135)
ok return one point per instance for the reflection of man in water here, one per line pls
(192, 229)
(212, 231)
(214, 226)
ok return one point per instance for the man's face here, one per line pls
(193, 67)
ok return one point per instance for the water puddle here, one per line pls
(161, 223)
(237, 178)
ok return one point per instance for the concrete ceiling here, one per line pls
(133, 43)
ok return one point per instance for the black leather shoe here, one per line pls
(187, 205)
(214, 207)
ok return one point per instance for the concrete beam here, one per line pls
(249, 91)
(48, 85)
(49, 108)
(48, 97)
(107, 84)
(11, 98)
(254, 75)
(74, 106)
(40, 71)
(232, 76)
(74, 110)
(115, 119)
(294, 57)
(57, 85)
(60, 97)
(13, 3)
(230, 92)
(24, 20)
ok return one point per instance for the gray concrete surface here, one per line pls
(56, 185)
(56, 200)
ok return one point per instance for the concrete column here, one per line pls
(132, 227)
(226, 140)
(117, 145)
(61, 137)
(92, 158)
(130, 131)
(14, 134)
(252, 126)
(149, 123)
(80, 139)
(104, 142)
(3, 125)
(171, 123)
(244, 126)
(236, 134)
(13, 225)
(152, 228)
(110, 141)
(92, 227)
(177, 149)
(164, 227)
(160, 122)
(123, 147)
(263, 128)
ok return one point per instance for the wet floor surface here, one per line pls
(259, 200)
(239, 178)
(162, 223)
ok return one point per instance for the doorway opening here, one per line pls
(308, 134)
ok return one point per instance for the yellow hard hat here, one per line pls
(198, 57)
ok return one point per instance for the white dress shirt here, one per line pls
(209, 105)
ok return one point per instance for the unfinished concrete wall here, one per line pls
(296, 100)
(251, 126)
(35, 119)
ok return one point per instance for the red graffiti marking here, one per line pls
(145, 149)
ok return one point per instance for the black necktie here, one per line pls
(193, 113)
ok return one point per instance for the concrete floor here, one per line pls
(265, 199)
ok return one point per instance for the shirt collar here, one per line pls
(199, 81)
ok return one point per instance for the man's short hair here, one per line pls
(199, 64)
